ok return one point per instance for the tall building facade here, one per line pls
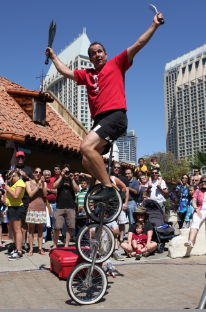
(127, 146)
(185, 103)
(74, 98)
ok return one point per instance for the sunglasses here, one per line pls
(116, 167)
(140, 214)
(37, 172)
(203, 181)
(76, 175)
(196, 171)
(195, 180)
(20, 157)
(155, 173)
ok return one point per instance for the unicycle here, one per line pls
(87, 282)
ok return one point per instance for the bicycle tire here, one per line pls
(78, 292)
(113, 205)
(106, 247)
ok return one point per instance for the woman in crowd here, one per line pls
(182, 193)
(15, 192)
(199, 215)
(36, 213)
(143, 185)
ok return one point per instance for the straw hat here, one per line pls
(140, 210)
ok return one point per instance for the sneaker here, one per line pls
(25, 247)
(138, 256)
(11, 253)
(11, 247)
(117, 255)
(104, 193)
(16, 256)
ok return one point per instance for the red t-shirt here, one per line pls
(139, 238)
(51, 197)
(105, 86)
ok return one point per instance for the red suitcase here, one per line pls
(63, 260)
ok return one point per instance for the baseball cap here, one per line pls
(20, 153)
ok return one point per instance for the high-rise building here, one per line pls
(127, 146)
(185, 103)
(74, 98)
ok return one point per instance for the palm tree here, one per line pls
(199, 161)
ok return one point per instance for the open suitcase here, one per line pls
(63, 260)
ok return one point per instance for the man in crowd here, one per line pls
(133, 194)
(56, 172)
(66, 207)
(157, 193)
(106, 95)
(51, 197)
(196, 177)
(122, 219)
(26, 175)
(79, 176)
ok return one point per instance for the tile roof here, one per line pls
(16, 125)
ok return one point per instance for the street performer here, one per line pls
(106, 95)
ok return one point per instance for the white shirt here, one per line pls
(155, 193)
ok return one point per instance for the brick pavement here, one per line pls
(173, 284)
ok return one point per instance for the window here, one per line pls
(190, 67)
(183, 70)
(39, 112)
(197, 64)
(204, 61)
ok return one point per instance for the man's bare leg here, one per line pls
(68, 236)
(91, 147)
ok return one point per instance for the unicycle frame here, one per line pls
(96, 242)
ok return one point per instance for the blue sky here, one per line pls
(117, 24)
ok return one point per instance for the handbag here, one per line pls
(48, 206)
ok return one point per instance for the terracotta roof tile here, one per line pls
(15, 120)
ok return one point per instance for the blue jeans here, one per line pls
(53, 205)
(131, 207)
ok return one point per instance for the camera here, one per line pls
(67, 172)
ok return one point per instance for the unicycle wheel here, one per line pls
(81, 293)
(112, 205)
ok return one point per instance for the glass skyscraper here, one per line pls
(127, 146)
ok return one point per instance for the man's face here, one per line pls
(20, 160)
(116, 170)
(84, 185)
(97, 56)
(57, 171)
(195, 181)
(47, 176)
(128, 174)
(76, 176)
(155, 174)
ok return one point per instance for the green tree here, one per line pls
(170, 167)
(199, 161)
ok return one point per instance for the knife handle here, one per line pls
(47, 59)
(161, 21)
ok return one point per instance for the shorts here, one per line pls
(196, 221)
(67, 214)
(122, 219)
(15, 213)
(110, 126)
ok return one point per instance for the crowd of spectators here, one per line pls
(34, 200)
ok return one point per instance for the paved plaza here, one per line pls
(156, 282)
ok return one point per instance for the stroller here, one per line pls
(163, 234)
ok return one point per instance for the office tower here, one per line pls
(184, 96)
(75, 56)
(127, 146)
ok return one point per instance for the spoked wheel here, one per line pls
(92, 207)
(160, 248)
(79, 291)
(86, 240)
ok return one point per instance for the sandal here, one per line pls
(42, 252)
(189, 244)
(1, 245)
(30, 253)
(146, 254)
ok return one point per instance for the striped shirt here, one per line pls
(80, 201)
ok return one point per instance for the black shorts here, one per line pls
(16, 213)
(110, 126)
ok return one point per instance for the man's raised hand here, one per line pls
(157, 19)
(49, 51)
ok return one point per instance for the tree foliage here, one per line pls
(198, 161)
(170, 167)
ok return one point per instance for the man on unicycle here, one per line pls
(107, 102)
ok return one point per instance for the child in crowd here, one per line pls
(139, 241)
(81, 217)
(190, 209)
(144, 196)
(155, 165)
(141, 167)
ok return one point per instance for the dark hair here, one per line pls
(144, 193)
(132, 171)
(36, 168)
(85, 180)
(140, 159)
(76, 172)
(56, 165)
(139, 224)
(185, 175)
(154, 158)
(66, 166)
(155, 169)
(94, 43)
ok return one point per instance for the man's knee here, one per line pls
(115, 232)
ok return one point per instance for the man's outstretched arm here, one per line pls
(143, 39)
(61, 68)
